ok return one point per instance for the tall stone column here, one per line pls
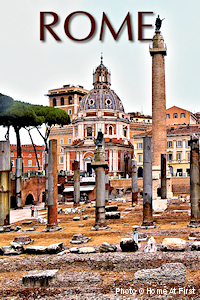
(18, 182)
(159, 136)
(76, 169)
(194, 180)
(147, 182)
(134, 182)
(163, 177)
(100, 165)
(52, 186)
(4, 183)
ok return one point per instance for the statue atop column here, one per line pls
(158, 23)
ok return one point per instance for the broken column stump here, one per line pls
(39, 278)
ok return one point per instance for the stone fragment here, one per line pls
(9, 250)
(55, 248)
(74, 250)
(107, 247)
(23, 239)
(86, 250)
(111, 208)
(18, 228)
(194, 235)
(142, 236)
(85, 217)
(195, 246)
(151, 245)
(80, 225)
(26, 222)
(39, 278)
(76, 218)
(173, 244)
(112, 215)
(128, 245)
(63, 252)
(88, 206)
(79, 238)
(17, 247)
(36, 250)
(169, 273)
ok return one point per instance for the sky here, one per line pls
(30, 67)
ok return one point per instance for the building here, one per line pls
(178, 149)
(176, 115)
(28, 156)
(99, 110)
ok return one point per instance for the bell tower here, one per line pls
(101, 77)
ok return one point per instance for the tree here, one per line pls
(52, 116)
(5, 103)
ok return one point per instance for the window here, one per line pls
(110, 130)
(80, 99)
(169, 144)
(11, 154)
(89, 131)
(170, 157)
(69, 140)
(54, 102)
(179, 172)
(188, 156)
(125, 131)
(175, 116)
(12, 163)
(139, 145)
(38, 155)
(188, 172)
(29, 155)
(61, 150)
(179, 143)
(140, 158)
(182, 115)
(178, 156)
(70, 99)
(69, 111)
(61, 141)
(30, 163)
(188, 143)
(61, 160)
(62, 101)
(168, 116)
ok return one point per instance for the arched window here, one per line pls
(62, 101)
(70, 99)
(54, 102)
(110, 130)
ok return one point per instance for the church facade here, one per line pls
(100, 109)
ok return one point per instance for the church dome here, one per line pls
(101, 96)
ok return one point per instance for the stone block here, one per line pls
(112, 215)
(23, 239)
(39, 278)
(9, 250)
(107, 247)
(111, 208)
(195, 246)
(86, 250)
(36, 250)
(55, 248)
(173, 244)
(76, 219)
(169, 273)
(128, 245)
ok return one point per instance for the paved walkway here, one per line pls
(25, 213)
